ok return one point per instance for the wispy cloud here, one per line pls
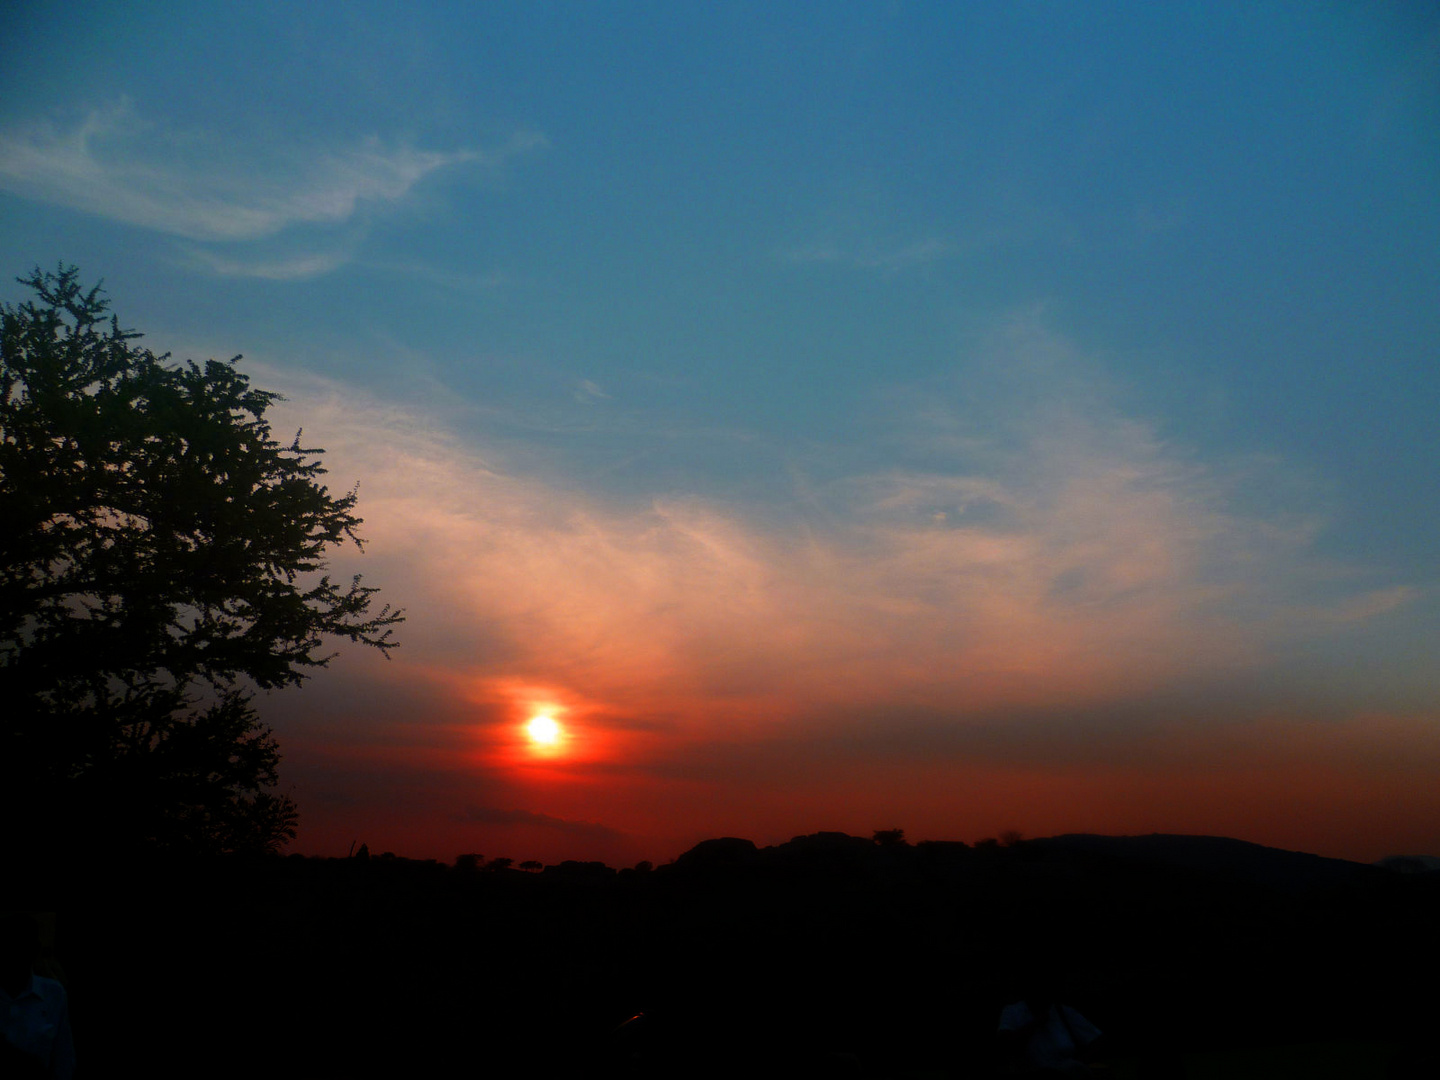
(587, 392)
(119, 166)
(297, 268)
(886, 259)
(454, 281)
(1360, 607)
(1090, 562)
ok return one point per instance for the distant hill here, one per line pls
(1291, 872)
(1221, 860)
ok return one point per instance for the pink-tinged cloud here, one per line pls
(906, 655)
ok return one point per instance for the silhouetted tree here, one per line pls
(159, 559)
(889, 837)
(534, 866)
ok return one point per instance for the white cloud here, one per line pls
(115, 165)
(296, 268)
(587, 392)
(1362, 606)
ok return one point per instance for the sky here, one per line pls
(949, 417)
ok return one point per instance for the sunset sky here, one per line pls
(952, 417)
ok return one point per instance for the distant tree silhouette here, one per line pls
(889, 837)
(159, 560)
(503, 862)
(534, 866)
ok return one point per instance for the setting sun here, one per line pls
(543, 730)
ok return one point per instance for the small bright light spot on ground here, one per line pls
(543, 730)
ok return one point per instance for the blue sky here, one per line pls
(1105, 334)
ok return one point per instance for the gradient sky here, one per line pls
(954, 417)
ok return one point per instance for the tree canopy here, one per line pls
(161, 556)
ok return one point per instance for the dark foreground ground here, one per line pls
(827, 956)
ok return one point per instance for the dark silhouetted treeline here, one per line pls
(829, 955)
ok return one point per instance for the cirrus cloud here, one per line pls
(1089, 563)
(116, 165)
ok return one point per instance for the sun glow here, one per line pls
(544, 730)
